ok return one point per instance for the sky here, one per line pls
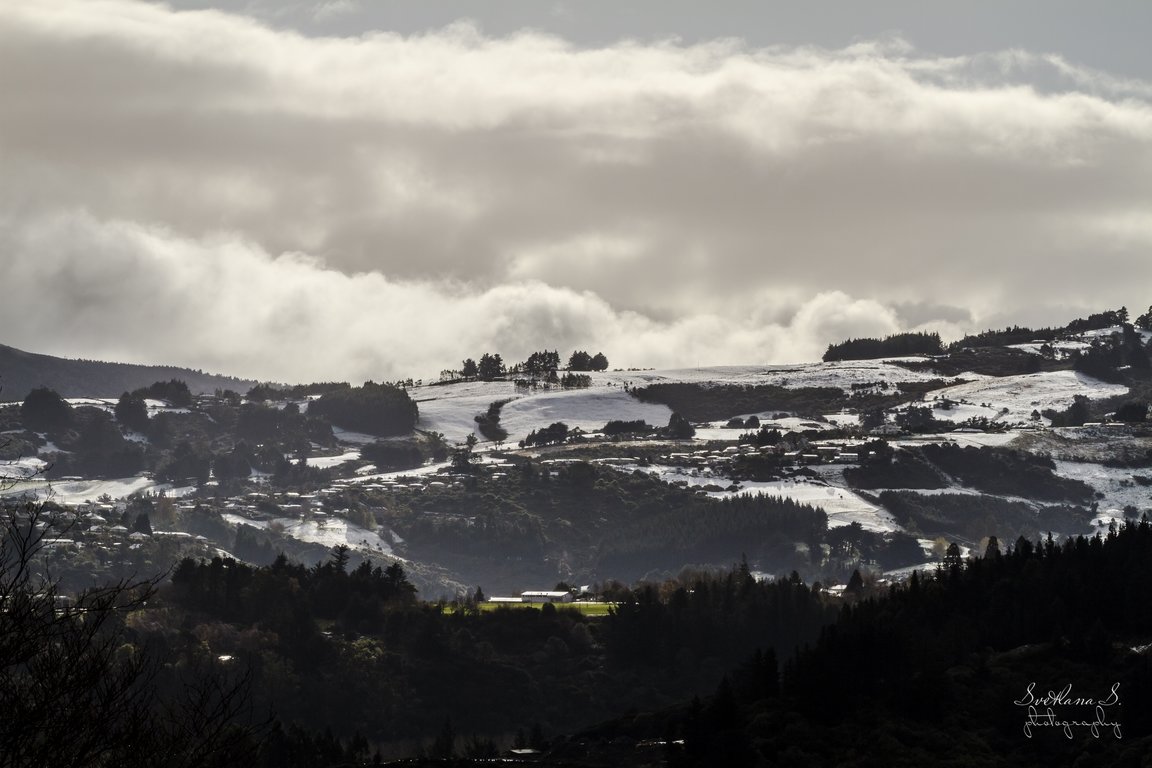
(355, 189)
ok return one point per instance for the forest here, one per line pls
(328, 665)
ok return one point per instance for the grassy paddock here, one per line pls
(588, 609)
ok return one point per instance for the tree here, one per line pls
(132, 412)
(992, 550)
(340, 557)
(580, 361)
(599, 362)
(553, 434)
(490, 367)
(1132, 412)
(43, 410)
(855, 584)
(1144, 321)
(174, 392)
(469, 369)
(143, 524)
(916, 418)
(378, 409)
(870, 418)
(1079, 411)
(952, 558)
(679, 428)
(541, 364)
(75, 692)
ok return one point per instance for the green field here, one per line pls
(588, 609)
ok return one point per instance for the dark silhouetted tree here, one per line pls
(132, 412)
(580, 361)
(43, 410)
(679, 428)
(490, 367)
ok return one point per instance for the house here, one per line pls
(546, 597)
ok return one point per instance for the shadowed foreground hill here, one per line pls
(21, 372)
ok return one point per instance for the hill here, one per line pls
(21, 372)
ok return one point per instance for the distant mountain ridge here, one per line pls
(21, 372)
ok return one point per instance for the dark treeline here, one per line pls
(992, 470)
(600, 522)
(553, 434)
(174, 392)
(541, 365)
(1118, 358)
(723, 616)
(921, 651)
(700, 402)
(1006, 471)
(222, 434)
(974, 517)
(620, 427)
(766, 528)
(389, 667)
(267, 391)
(889, 468)
(897, 345)
(392, 455)
(378, 409)
(930, 672)
(1099, 320)
(1001, 338)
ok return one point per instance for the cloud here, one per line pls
(680, 204)
(330, 9)
(148, 295)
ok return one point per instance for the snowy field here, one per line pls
(327, 462)
(451, 409)
(590, 409)
(326, 531)
(1034, 391)
(963, 439)
(23, 468)
(80, 491)
(717, 430)
(1118, 485)
(841, 374)
(842, 506)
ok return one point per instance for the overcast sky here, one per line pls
(377, 189)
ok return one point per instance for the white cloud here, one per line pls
(692, 204)
(147, 295)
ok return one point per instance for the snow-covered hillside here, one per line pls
(451, 408)
(814, 478)
(1015, 397)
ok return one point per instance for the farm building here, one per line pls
(546, 597)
